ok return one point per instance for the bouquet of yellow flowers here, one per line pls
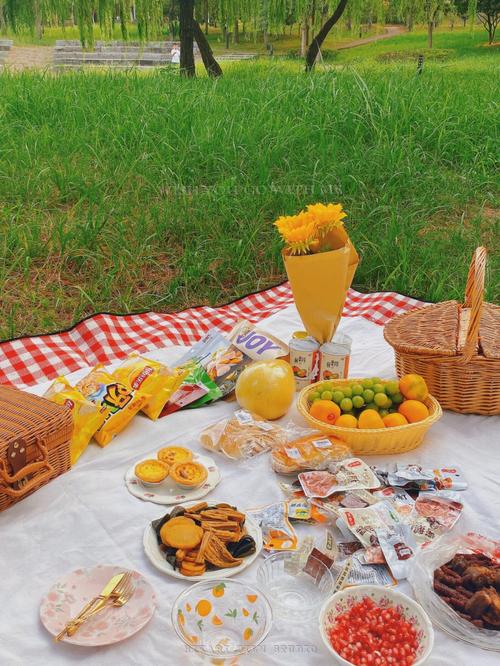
(320, 262)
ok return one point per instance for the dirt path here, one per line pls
(24, 57)
(390, 31)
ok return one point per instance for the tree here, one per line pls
(488, 12)
(313, 50)
(432, 9)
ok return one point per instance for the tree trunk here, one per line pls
(38, 20)
(304, 36)
(312, 52)
(228, 38)
(236, 34)
(211, 64)
(205, 16)
(186, 23)
(265, 36)
(430, 29)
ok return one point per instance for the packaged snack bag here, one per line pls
(433, 515)
(256, 343)
(312, 451)
(87, 418)
(399, 548)
(277, 532)
(364, 523)
(399, 497)
(244, 435)
(115, 399)
(153, 378)
(421, 478)
(195, 390)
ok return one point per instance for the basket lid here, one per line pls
(489, 331)
(431, 329)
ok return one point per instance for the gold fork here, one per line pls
(119, 597)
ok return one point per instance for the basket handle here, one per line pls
(42, 471)
(474, 296)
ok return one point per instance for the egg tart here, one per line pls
(174, 454)
(151, 472)
(189, 474)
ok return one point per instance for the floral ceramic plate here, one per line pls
(412, 612)
(157, 557)
(168, 492)
(69, 595)
(222, 618)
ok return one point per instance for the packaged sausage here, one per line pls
(152, 377)
(115, 399)
(87, 418)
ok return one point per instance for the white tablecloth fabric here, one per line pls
(87, 517)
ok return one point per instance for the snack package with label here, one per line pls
(256, 343)
(87, 418)
(433, 515)
(350, 499)
(277, 532)
(349, 474)
(421, 478)
(360, 573)
(403, 502)
(399, 548)
(364, 523)
(195, 390)
(314, 451)
(221, 360)
(116, 400)
(243, 436)
(152, 377)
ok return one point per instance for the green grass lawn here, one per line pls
(123, 192)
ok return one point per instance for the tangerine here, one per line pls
(218, 590)
(347, 421)
(371, 419)
(413, 387)
(247, 634)
(392, 420)
(325, 410)
(203, 607)
(413, 410)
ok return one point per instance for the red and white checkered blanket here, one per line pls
(104, 338)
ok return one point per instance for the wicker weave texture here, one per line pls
(469, 380)
(46, 430)
(376, 441)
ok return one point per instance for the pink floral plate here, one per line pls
(71, 592)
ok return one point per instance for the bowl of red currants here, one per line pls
(369, 625)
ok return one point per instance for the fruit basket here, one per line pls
(454, 346)
(373, 441)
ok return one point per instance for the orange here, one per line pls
(247, 634)
(216, 621)
(347, 421)
(413, 387)
(180, 617)
(252, 598)
(325, 410)
(245, 612)
(413, 410)
(218, 590)
(392, 420)
(369, 418)
(203, 607)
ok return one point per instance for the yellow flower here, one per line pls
(327, 217)
(298, 232)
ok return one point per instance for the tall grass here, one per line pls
(125, 192)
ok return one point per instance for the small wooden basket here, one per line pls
(455, 348)
(34, 443)
(376, 441)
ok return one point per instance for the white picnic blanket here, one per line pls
(87, 517)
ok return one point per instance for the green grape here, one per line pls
(357, 389)
(315, 395)
(368, 395)
(357, 401)
(326, 395)
(388, 403)
(383, 412)
(367, 383)
(380, 399)
(392, 387)
(397, 398)
(338, 396)
(376, 380)
(347, 391)
(372, 405)
(346, 405)
(378, 388)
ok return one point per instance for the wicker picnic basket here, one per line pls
(375, 441)
(456, 348)
(34, 443)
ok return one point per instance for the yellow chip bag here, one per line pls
(87, 418)
(115, 399)
(152, 377)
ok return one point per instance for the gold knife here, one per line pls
(100, 600)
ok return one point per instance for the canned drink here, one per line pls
(335, 357)
(304, 359)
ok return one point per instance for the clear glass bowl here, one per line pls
(222, 618)
(296, 596)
